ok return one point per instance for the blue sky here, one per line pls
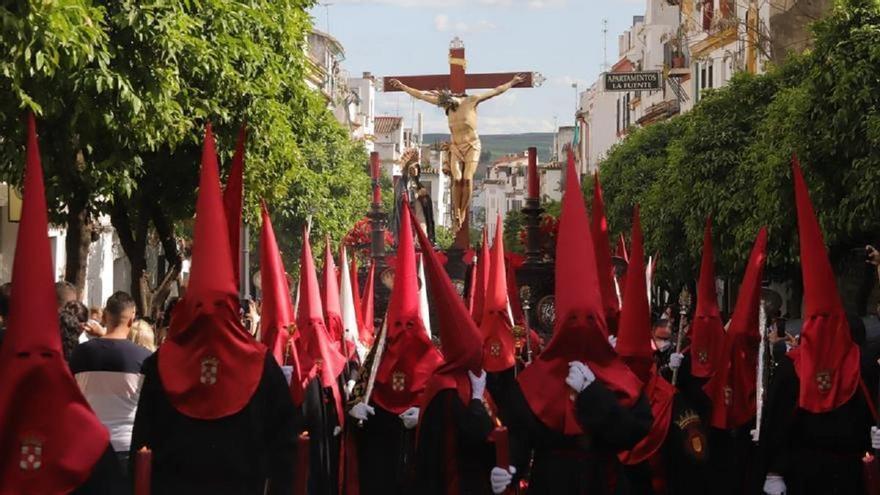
(562, 39)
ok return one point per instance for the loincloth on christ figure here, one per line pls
(465, 152)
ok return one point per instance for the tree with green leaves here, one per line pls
(730, 157)
(123, 90)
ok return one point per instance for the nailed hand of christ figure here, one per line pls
(449, 93)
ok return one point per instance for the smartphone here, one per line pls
(780, 328)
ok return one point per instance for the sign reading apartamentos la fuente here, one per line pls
(633, 81)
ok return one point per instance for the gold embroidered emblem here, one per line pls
(823, 380)
(697, 444)
(210, 369)
(703, 357)
(728, 396)
(687, 419)
(31, 454)
(398, 381)
(495, 349)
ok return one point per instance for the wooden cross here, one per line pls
(458, 80)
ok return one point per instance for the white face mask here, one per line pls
(662, 344)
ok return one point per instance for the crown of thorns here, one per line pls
(446, 99)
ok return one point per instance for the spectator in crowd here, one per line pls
(108, 371)
(72, 317)
(65, 292)
(142, 334)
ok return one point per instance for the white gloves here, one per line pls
(613, 341)
(336, 431)
(410, 418)
(478, 384)
(501, 478)
(580, 376)
(675, 360)
(875, 438)
(349, 387)
(288, 373)
(361, 411)
(774, 485)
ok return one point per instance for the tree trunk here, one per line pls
(79, 237)
(134, 246)
(79, 225)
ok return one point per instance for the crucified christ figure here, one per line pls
(464, 149)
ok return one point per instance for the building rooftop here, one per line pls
(386, 124)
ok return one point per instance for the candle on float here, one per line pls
(143, 467)
(534, 182)
(374, 174)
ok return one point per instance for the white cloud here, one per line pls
(441, 22)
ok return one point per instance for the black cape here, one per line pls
(815, 453)
(582, 464)
(238, 454)
(454, 436)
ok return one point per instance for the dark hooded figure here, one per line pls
(817, 420)
(215, 407)
(577, 405)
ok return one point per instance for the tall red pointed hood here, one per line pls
(331, 303)
(410, 358)
(277, 310)
(50, 439)
(580, 333)
(481, 279)
(233, 196)
(602, 250)
(499, 348)
(358, 304)
(634, 347)
(707, 330)
(367, 308)
(209, 365)
(460, 340)
(634, 334)
(733, 387)
(318, 354)
(827, 360)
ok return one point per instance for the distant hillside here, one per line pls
(498, 145)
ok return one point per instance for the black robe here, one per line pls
(680, 463)
(237, 454)
(106, 477)
(321, 421)
(501, 386)
(815, 453)
(582, 464)
(448, 424)
(385, 452)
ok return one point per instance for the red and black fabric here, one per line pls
(51, 441)
(733, 387)
(233, 195)
(634, 347)
(409, 359)
(331, 303)
(368, 331)
(580, 332)
(499, 347)
(481, 280)
(827, 359)
(707, 330)
(277, 311)
(319, 356)
(602, 250)
(209, 365)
